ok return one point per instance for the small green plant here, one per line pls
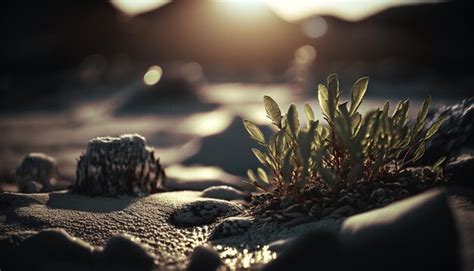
(349, 149)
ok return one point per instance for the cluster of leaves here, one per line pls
(348, 149)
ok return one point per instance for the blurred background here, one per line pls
(184, 73)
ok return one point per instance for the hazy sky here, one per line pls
(288, 9)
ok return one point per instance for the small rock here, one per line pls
(342, 211)
(204, 258)
(224, 192)
(113, 166)
(32, 187)
(461, 170)
(124, 250)
(394, 185)
(38, 168)
(327, 211)
(300, 253)
(53, 246)
(204, 212)
(293, 208)
(231, 226)
(377, 195)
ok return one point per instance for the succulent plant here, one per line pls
(349, 149)
(113, 166)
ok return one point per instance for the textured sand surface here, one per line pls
(95, 220)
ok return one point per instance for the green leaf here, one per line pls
(287, 168)
(358, 92)
(419, 152)
(333, 85)
(309, 112)
(356, 120)
(273, 110)
(333, 94)
(420, 120)
(434, 128)
(254, 131)
(405, 142)
(323, 99)
(260, 156)
(251, 175)
(262, 174)
(293, 120)
(438, 163)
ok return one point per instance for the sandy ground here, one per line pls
(150, 218)
(95, 220)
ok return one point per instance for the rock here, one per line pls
(54, 247)
(394, 185)
(314, 250)
(225, 193)
(32, 187)
(342, 211)
(38, 168)
(418, 233)
(204, 259)
(204, 212)
(113, 166)
(377, 195)
(456, 132)
(232, 226)
(461, 170)
(125, 252)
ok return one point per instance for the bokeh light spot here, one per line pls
(153, 75)
(315, 27)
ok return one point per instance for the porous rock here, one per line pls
(456, 132)
(37, 172)
(204, 212)
(232, 226)
(113, 166)
(204, 258)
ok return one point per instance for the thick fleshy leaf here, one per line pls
(333, 94)
(287, 169)
(262, 174)
(356, 120)
(251, 175)
(293, 121)
(273, 110)
(420, 120)
(323, 99)
(434, 128)
(260, 156)
(309, 112)
(358, 91)
(419, 152)
(254, 132)
(439, 162)
(333, 85)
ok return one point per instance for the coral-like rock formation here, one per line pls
(36, 173)
(113, 166)
(457, 131)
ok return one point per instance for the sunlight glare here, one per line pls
(352, 10)
(134, 7)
